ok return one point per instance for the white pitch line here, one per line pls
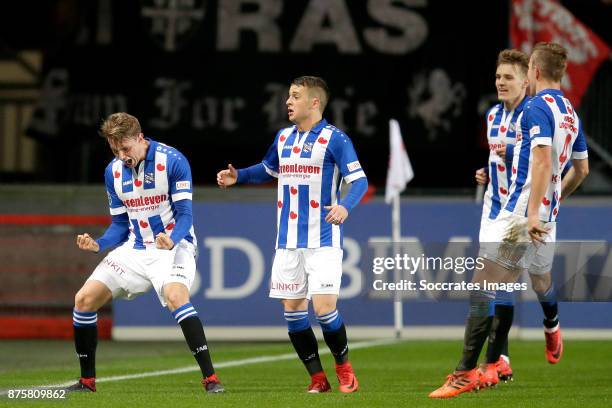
(223, 364)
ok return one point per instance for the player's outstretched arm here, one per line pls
(87, 243)
(228, 177)
(255, 174)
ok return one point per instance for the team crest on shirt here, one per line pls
(149, 178)
(307, 147)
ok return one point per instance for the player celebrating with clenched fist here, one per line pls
(149, 194)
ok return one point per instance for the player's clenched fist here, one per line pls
(481, 176)
(162, 241)
(228, 177)
(87, 243)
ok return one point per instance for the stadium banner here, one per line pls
(236, 249)
(199, 73)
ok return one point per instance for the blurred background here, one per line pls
(210, 77)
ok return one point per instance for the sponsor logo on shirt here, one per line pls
(299, 168)
(183, 185)
(535, 130)
(568, 123)
(145, 201)
(352, 166)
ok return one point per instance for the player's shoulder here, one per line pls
(109, 167)
(172, 154)
(537, 105)
(539, 101)
(336, 135)
(494, 109)
(285, 131)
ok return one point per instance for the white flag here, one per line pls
(400, 170)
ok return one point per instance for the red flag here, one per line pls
(532, 21)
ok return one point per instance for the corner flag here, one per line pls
(399, 174)
(400, 170)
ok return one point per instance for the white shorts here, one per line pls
(506, 241)
(130, 272)
(485, 226)
(303, 272)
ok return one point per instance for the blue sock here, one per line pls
(331, 321)
(304, 341)
(183, 312)
(297, 320)
(334, 334)
(502, 309)
(503, 297)
(548, 301)
(86, 340)
(82, 319)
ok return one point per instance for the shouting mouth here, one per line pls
(130, 162)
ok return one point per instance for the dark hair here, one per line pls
(317, 85)
(551, 58)
(514, 57)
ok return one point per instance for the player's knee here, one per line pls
(175, 299)
(294, 305)
(323, 309)
(85, 302)
(540, 284)
(539, 287)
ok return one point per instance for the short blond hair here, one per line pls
(514, 57)
(551, 58)
(119, 126)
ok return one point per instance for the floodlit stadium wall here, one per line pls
(236, 242)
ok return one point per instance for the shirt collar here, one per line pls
(518, 107)
(316, 129)
(151, 150)
(550, 91)
(521, 105)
